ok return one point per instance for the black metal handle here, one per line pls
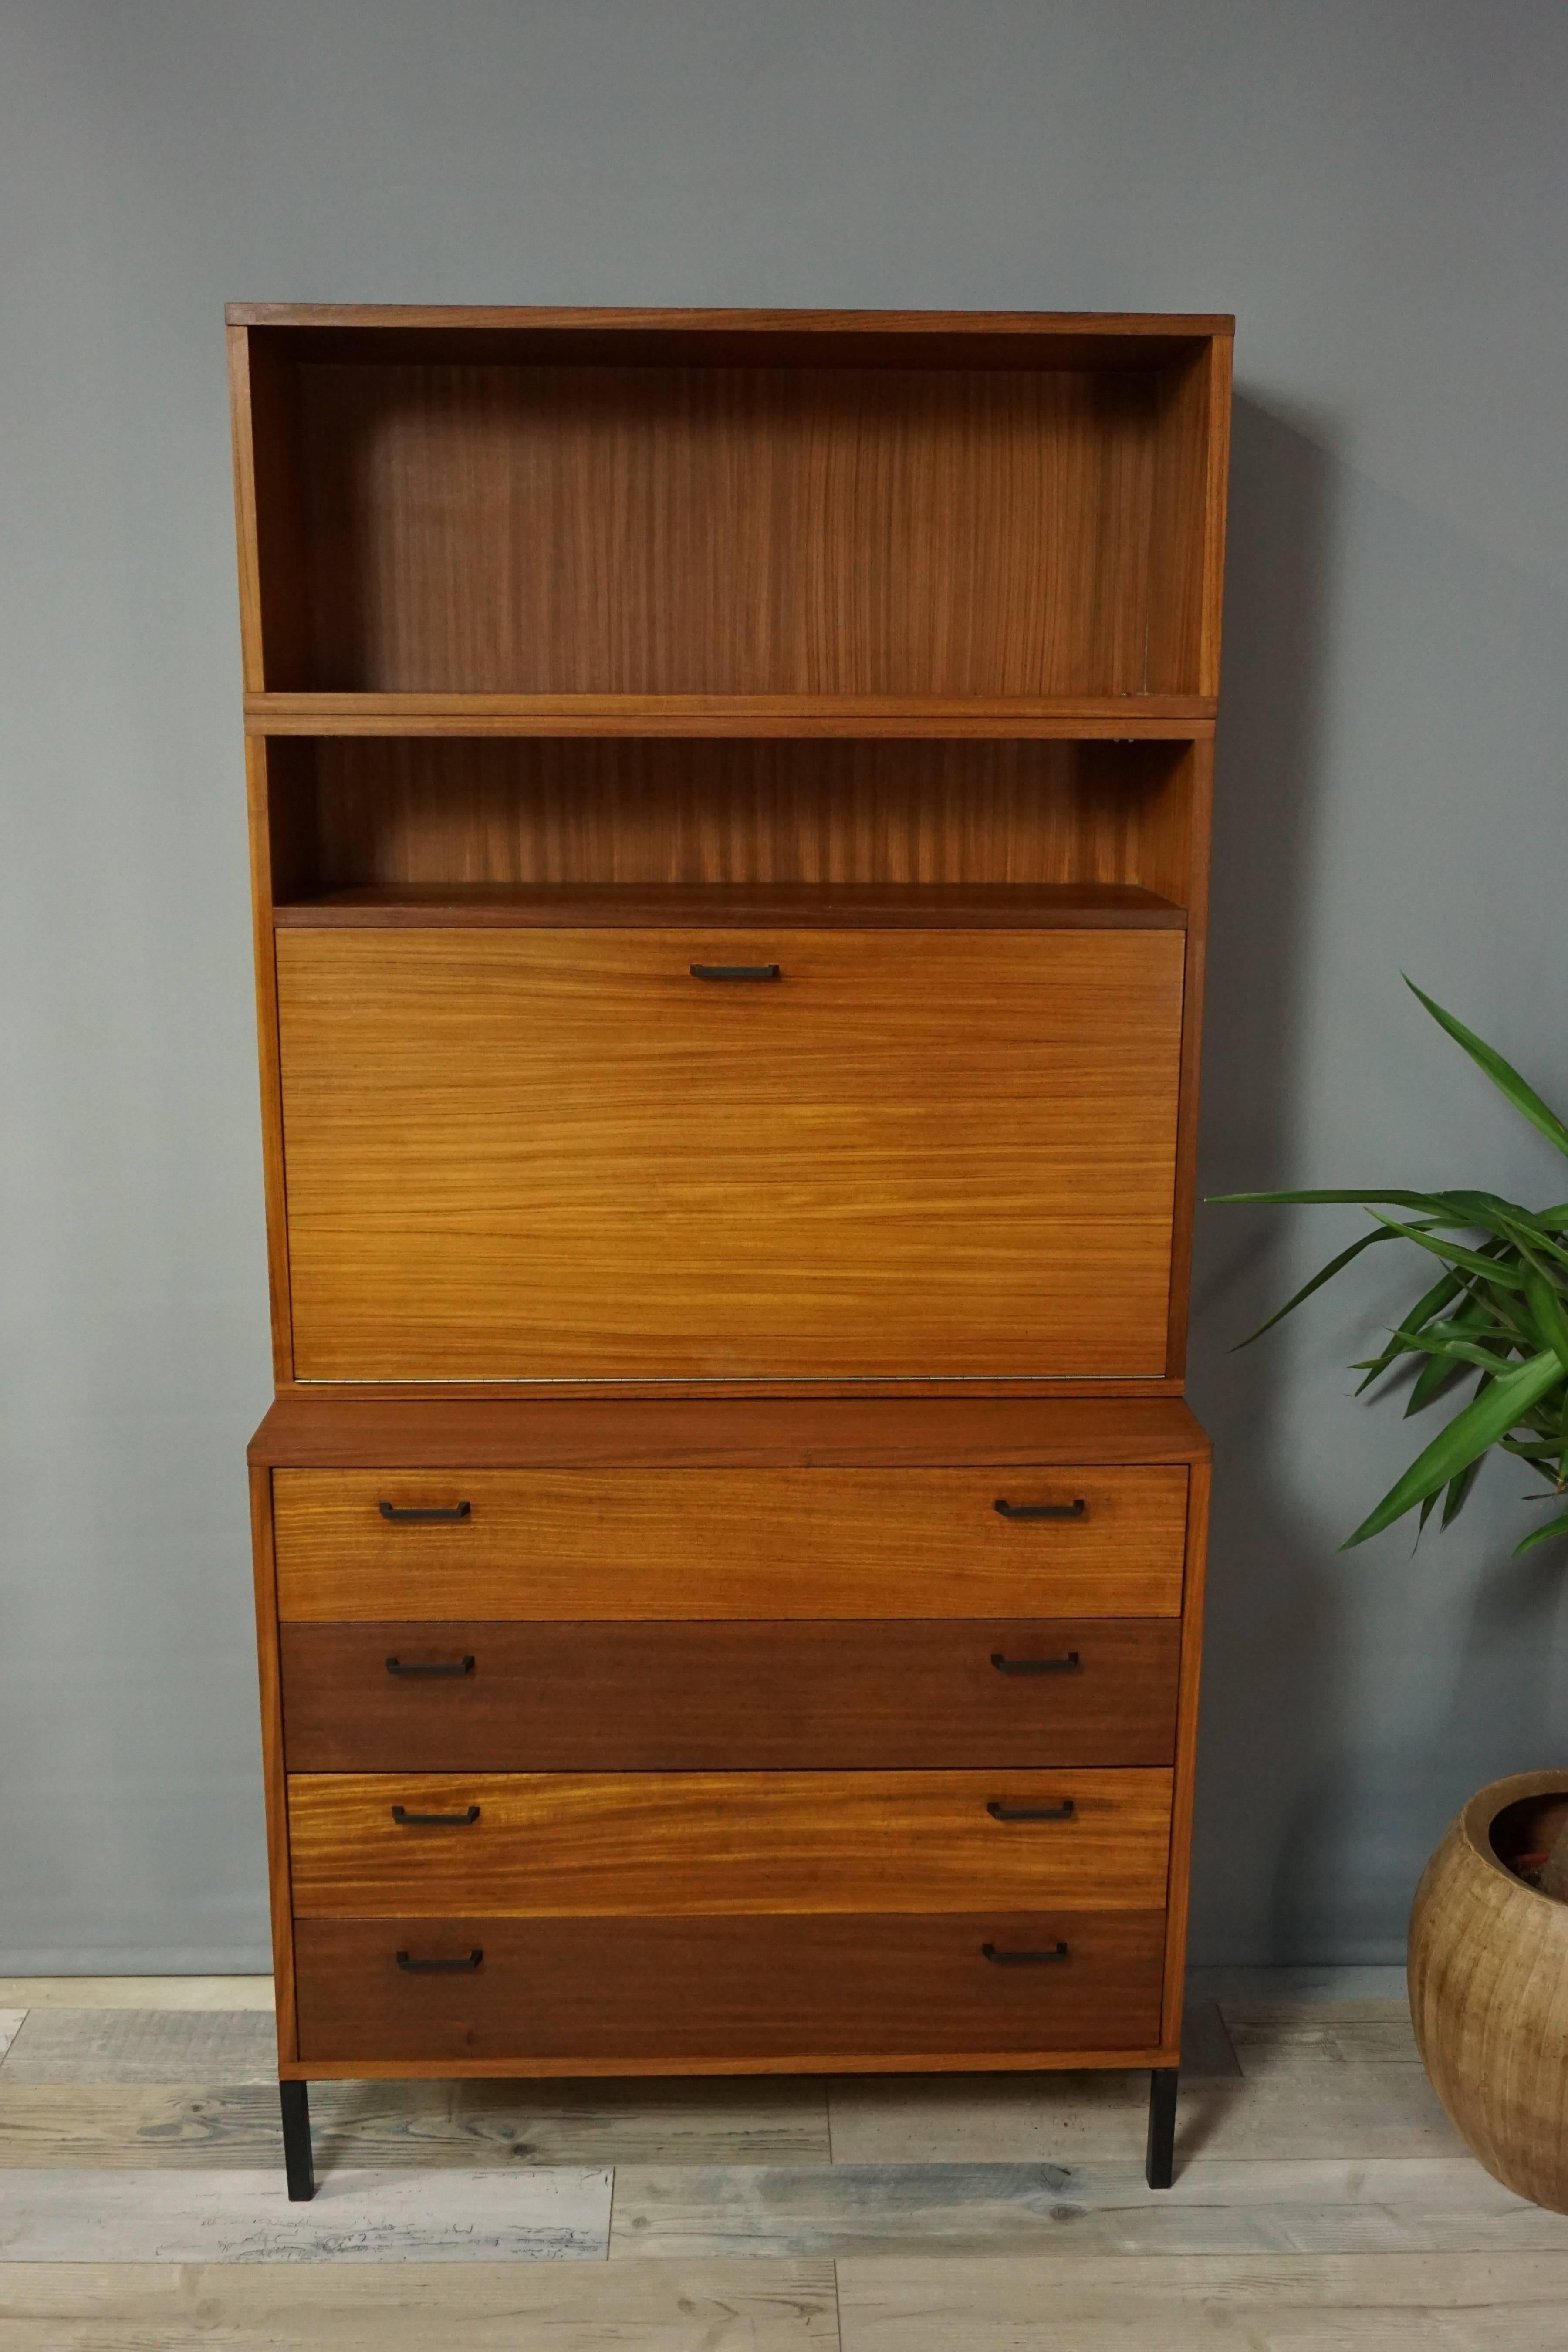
(1031, 1510)
(410, 1666)
(436, 1821)
(402, 1518)
(1001, 1812)
(1002, 1959)
(438, 1968)
(736, 971)
(1004, 1665)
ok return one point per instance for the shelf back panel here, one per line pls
(744, 529)
(356, 812)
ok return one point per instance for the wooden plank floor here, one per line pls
(1322, 2203)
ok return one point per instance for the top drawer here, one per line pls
(562, 1155)
(565, 1544)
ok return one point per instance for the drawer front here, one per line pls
(681, 1696)
(541, 1843)
(569, 1544)
(808, 1986)
(557, 1155)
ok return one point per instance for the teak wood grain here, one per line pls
(760, 1696)
(563, 529)
(316, 1430)
(274, 1784)
(807, 1986)
(1184, 1787)
(1121, 718)
(778, 1543)
(421, 810)
(264, 863)
(558, 1155)
(368, 326)
(1178, 855)
(547, 1843)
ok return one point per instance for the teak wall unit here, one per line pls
(730, 801)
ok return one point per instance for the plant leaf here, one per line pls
(1495, 1215)
(1325, 1274)
(1447, 1286)
(1491, 1269)
(1437, 1374)
(1503, 1074)
(1436, 1205)
(1543, 1535)
(1545, 1304)
(1453, 1351)
(1458, 1489)
(1486, 1419)
(1528, 1238)
(1457, 1352)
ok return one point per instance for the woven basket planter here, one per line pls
(1488, 1991)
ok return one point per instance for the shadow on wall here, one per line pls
(1272, 1648)
(1351, 1704)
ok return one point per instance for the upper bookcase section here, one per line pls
(729, 523)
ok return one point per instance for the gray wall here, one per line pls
(1375, 188)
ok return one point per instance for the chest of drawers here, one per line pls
(729, 804)
(861, 1739)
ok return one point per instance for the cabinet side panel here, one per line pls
(1176, 538)
(1219, 363)
(1186, 566)
(272, 1772)
(259, 755)
(1180, 1882)
(272, 534)
(1189, 843)
(240, 426)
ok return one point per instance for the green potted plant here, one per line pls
(1488, 1930)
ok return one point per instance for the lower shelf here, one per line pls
(743, 1987)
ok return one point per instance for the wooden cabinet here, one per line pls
(730, 803)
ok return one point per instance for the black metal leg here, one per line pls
(1161, 2166)
(295, 2100)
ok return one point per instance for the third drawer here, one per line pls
(521, 1843)
(674, 1695)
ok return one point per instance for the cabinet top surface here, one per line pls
(1187, 326)
(1029, 340)
(328, 1433)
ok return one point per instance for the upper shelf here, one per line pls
(1124, 717)
(951, 523)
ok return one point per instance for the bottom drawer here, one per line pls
(803, 1986)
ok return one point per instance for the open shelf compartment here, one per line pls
(426, 831)
(1023, 515)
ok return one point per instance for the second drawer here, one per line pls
(673, 1695)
